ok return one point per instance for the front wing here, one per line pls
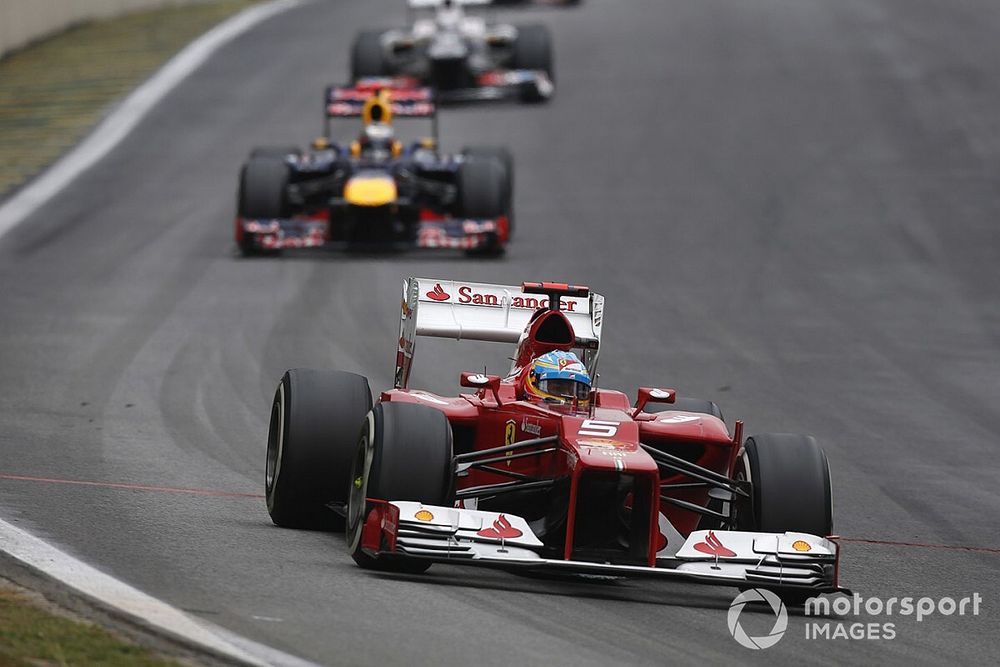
(313, 232)
(502, 85)
(470, 537)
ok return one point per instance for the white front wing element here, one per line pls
(767, 560)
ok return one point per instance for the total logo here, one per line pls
(466, 295)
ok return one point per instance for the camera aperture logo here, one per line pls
(867, 615)
(777, 608)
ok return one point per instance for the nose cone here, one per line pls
(609, 441)
(448, 47)
(370, 190)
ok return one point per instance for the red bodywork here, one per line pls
(603, 438)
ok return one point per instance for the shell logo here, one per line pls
(423, 515)
(801, 545)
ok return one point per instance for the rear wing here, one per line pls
(485, 312)
(406, 99)
(433, 4)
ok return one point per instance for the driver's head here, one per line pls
(377, 141)
(378, 133)
(558, 377)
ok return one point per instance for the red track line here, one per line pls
(132, 487)
(236, 494)
(919, 545)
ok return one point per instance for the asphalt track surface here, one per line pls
(790, 205)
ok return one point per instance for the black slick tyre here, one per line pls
(311, 440)
(790, 478)
(404, 452)
(367, 56)
(263, 182)
(533, 49)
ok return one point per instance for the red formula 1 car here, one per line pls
(540, 470)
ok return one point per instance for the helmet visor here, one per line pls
(568, 389)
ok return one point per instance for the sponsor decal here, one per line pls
(438, 294)
(423, 515)
(533, 428)
(510, 437)
(679, 419)
(605, 443)
(573, 365)
(500, 530)
(713, 546)
(424, 396)
(467, 295)
(801, 545)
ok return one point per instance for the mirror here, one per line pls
(482, 381)
(653, 395)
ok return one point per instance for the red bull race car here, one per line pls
(376, 190)
(540, 470)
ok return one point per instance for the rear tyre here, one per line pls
(263, 182)
(404, 452)
(533, 50)
(481, 186)
(313, 433)
(792, 491)
(367, 56)
(506, 161)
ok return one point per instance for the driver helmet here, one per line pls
(558, 377)
(449, 15)
(377, 140)
(379, 133)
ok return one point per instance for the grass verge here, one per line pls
(53, 92)
(33, 633)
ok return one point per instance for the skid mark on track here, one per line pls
(131, 487)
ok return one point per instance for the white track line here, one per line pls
(92, 583)
(127, 115)
(27, 548)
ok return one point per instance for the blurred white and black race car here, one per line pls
(461, 55)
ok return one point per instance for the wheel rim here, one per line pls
(275, 440)
(356, 498)
(741, 474)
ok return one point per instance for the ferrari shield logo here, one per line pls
(510, 436)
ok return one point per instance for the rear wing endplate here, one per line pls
(486, 312)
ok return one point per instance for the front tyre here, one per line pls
(790, 478)
(404, 452)
(315, 417)
(263, 182)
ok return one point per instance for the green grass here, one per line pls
(53, 92)
(31, 636)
